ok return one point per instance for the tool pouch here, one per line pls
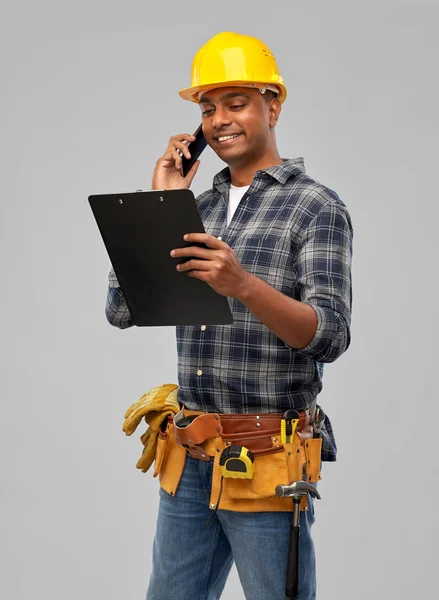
(282, 464)
(170, 459)
(198, 430)
(274, 463)
(313, 454)
(162, 442)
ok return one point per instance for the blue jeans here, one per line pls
(192, 561)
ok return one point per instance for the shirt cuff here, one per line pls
(327, 331)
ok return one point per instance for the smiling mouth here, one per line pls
(227, 139)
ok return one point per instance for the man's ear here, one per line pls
(274, 110)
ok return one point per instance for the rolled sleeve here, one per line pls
(116, 309)
(324, 279)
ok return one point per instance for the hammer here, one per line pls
(296, 490)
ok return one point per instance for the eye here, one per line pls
(207, 112)
(237, 106)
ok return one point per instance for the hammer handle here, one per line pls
(292, 582)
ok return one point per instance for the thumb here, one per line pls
(192, 172)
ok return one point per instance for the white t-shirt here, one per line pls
(235, 195)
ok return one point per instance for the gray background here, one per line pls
(89, 100)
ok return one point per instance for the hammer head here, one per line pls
(297, 489)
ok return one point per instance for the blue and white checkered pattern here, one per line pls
(295, 234)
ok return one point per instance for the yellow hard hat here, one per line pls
(230, 59)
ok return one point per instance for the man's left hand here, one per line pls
(217, 265)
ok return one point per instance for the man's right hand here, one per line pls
(167, 173)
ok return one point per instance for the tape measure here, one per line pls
(237, 462)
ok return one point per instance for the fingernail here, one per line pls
(185, 237)
(172, 252)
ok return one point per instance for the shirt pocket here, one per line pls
(268, 256)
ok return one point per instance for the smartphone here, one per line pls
(195, 148)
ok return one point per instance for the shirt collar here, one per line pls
(281, 173)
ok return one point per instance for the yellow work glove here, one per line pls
(155, 406)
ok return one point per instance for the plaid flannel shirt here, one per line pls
(295, 234)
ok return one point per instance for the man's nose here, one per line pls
(220, 118)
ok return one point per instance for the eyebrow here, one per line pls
(207, 100)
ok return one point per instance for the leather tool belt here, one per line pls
(204, 436)
(258, 433)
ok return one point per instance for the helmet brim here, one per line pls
(191, 93)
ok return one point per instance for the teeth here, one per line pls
(227, 137)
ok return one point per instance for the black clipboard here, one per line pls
(139, 229)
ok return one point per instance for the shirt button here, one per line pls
(220, 238)
(203, 327)
(199, 372)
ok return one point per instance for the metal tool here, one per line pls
(295, 490)
(237, 462)
(319, 418)
(288, 425)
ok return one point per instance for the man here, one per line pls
(279, 246)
